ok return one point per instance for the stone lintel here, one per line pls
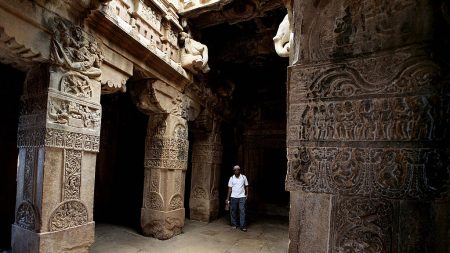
(156, 66)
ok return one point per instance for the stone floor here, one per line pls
(268, 234)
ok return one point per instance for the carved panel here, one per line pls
(342, 29)
(68, 214)
(168, 153)
(154, 201)
(64, 111)
(176, 202)
(71, 140)
(155, 179)
(76, 84)
(374, 172)
(406, 70)
(199, 193)
(29, 174)
(27, 217)
(72, 174)
(362, 225)
(381, 119)
(74, 50)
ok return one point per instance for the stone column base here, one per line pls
(205, 210)
(162, 225)
(74, 240)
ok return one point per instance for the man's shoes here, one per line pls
(244, 229)
(234, 227)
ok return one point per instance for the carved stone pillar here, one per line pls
(58, 139)
(368, 128)
(166, 155)
(205, 181)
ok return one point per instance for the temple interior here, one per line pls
(123, 121)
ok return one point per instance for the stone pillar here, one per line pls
(205, 180)
(58, 139)
(166, 155)
(368, 110)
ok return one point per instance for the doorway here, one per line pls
(11, 87)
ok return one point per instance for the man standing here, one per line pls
(238, 190)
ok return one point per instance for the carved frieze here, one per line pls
(199, 193)
(71, 140)
(68, 214)
(406, 70)
(376, 172)
(420, 118)
(70, 112)
(27, 217)
(72, 174)
(362, 225)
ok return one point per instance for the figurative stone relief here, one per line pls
(380, 172)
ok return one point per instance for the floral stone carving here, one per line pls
(68, 214)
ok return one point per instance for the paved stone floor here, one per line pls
(265, 235)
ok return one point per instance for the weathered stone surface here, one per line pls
(58, 137)
(368, 109)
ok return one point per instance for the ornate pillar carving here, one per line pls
(58, 139)
(368, 131)
(206, 161)
(166, 155)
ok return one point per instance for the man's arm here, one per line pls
(229, 194)
(246, 191)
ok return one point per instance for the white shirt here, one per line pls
(237, 185)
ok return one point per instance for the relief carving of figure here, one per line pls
(348, 120)
(320, 124)
(194, 55)
(302, 167)
(402, 115)
(71, 50)
(345, 170)
(384, 131)
(391, 174)
(369, 120)
(283, 38)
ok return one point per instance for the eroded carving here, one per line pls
(154, 201)
(380, 172)
(26, 216)
(68, 214)
(176, 202)
(362, 225)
